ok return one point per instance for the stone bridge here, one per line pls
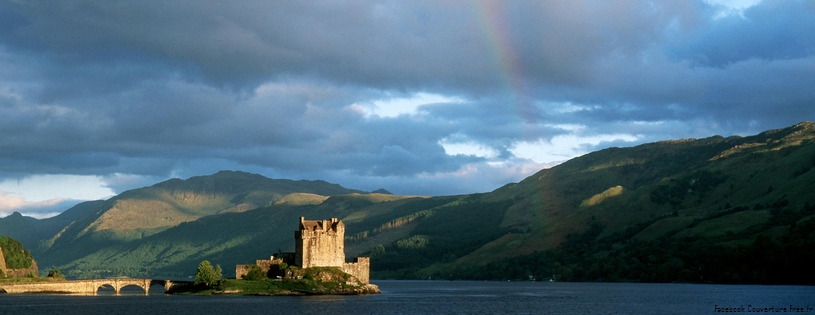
(90, 286)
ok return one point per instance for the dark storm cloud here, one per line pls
(774, 30)
(370, 43)
(285, 88)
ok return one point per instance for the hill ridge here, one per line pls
(722, 193)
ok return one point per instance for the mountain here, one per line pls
(721, 198)
(702, 207)
(139, 213)
(226, 239)
(686, 179)
(698, 210)
(30, 230)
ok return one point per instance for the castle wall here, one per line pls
(360, 269)
(241, 270)
(264, 264)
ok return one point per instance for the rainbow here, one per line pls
(492, 21)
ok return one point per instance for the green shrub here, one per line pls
(206, 275)
(414, 242)
(56, 274)
(254, 273)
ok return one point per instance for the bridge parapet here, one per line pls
(90, 286)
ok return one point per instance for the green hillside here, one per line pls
(682, 200)
(736, 209)
(135, 214)
(30, 230)
(226, 239)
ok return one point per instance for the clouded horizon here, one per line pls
(417, 97)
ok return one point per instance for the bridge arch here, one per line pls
(145, 289)
(104, 286)
(118, 284)
(158, 287)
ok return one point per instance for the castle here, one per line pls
(318, 243)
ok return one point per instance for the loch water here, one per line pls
(446, 297)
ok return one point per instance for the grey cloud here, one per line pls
(155, 88)
(41, 210)
(771, 30)
(366, 42)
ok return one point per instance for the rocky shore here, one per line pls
(361, 290)
(280, 288)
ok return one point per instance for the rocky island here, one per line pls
(316, 267)
(316, 281)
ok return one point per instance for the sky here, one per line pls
(417, 97)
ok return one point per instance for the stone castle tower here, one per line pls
(319, 243)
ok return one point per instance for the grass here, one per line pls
(314, 281)
(299, 199)
(733, 223)
(662, 227)
(598, 198)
